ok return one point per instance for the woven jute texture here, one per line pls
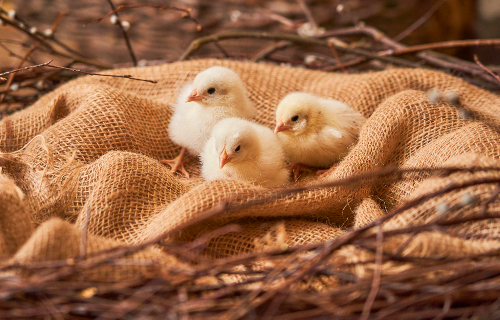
(94, 144)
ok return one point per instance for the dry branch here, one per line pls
(443, 45)
(487, 69)
(124, 32)
(47, 64)
(419, 22)
(198, 43)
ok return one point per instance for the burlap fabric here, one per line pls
(95, 143)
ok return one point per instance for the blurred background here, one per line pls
(164, 34)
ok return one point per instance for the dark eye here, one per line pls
(237, 149)
(211, 90)
(295, 118)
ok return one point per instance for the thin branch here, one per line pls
(124, 32)
(186, 11)
(444, 61)
(47, 64)
(372, 32)
(419, 22)
(346, 64)
(119, 310)
(25, 68)
(442, 45)
(13, 54)
(376, 276)
(268, 49)
(198, 43)
(486, 69)
(307, 13)
(336, 55)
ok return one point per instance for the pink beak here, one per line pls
(223, 158)
(281, 127)
(193, 96)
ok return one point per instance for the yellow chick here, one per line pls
(242, 150)
(215, 93)
(315, 131)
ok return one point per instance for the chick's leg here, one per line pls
(178, 163)
(297, 169)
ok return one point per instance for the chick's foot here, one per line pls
(297, 169)
(177, 164)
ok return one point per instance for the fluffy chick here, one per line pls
(215, 93)
(315, 131)
(242, 150)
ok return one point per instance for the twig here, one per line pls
(376, 276)
(308, 14)
(119, 310)
(203, 240)
(25, 68)
(486, 69)
(448, 62)
(366, 30)
(50, 307)
(270, 48)
(274, 306)
(419, 22)
(47, 64)
(124, 32)
(13, 54)
(341, 65)
(198, 43)
(441, 45)
(336, 55)
(186, 11)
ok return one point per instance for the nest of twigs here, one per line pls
(424, 287)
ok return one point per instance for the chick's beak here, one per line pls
(193, 96)
(281, 127)
(223, 158)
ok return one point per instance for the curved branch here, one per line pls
(442, 45)
(198, 43)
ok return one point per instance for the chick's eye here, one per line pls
(295, 118)
(237, 148)
(211, 90)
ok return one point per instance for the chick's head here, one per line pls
(298, 114)
(234, 142)
(217, 86)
